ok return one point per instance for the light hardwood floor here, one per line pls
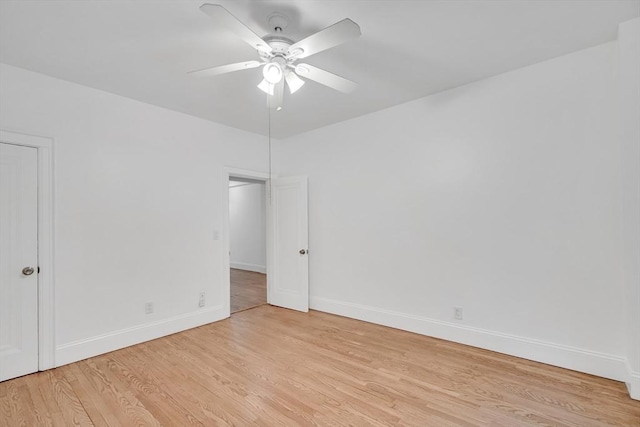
(270, 366)
(248, 289)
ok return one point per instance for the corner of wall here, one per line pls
(633, 383)
(629, 108)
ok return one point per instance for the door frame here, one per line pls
(230, 172)
(46, 319)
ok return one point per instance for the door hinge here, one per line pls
(38, 269)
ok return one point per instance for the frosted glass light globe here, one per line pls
(272, 73)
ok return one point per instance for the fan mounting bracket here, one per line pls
(277, 21)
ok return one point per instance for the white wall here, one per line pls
(629, 90)
(247, 226)
(137, 193)
(502, 197)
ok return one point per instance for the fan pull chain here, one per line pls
(269, 120)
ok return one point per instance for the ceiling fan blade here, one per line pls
(222, 69)
(224, 18)
(326, 78)
(278, 95)
(334, 35)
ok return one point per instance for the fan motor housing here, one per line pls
(279, 44)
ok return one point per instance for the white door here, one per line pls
(18, 261)
(289, 277)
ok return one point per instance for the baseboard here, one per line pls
(633, 383)
(600, 364)
(249, 267)
(83, 349)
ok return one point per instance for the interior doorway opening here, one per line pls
(247, 243)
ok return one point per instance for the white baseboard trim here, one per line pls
(249, 267)
(591, 362)
(633, 383)
(100, 344)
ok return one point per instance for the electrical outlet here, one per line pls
(148, 308)
(201, 299)
(457, 313)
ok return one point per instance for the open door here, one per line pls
(288, 279)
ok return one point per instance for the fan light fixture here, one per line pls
(293, 81)
(266, 87)
(272, 73)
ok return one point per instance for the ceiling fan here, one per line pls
(278, 55)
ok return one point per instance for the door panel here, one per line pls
(18, 250)
(289, 280)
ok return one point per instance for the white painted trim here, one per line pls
(245, 173)
(249, 267)
(591, 362)
(100, 344)
(633, 382)
(46, 318)
(228, 172)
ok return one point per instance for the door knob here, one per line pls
(28, 271)
(302, 252)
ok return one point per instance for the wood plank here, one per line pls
(71, 409)
(42, 412)
(248, 289)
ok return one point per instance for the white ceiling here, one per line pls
(408, 49)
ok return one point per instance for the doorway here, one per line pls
(247, 243)
(287, 238)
